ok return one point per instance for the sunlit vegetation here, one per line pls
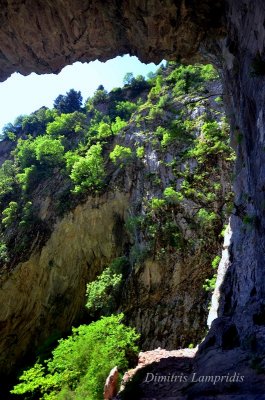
(78, 141)
(79, 149)
(80, 364)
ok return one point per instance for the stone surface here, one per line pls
(43, 296)
(184, 375)
(242, 299)
(111, 385)
(44, 36)
(221, 273)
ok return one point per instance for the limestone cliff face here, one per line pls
(243, 290)
(44, 295)
(169, 248)
(168, 29)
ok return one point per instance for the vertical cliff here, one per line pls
(42, 297)
(162, 205)
(230, 34)
(242, 293)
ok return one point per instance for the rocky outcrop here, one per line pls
(42, 297)
(43, 36)
(111, 385)
(58, 35)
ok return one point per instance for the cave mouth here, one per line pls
(181, 30)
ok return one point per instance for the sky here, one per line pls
(22, 95)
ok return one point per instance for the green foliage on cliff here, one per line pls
(172, 147)
(69, 103)
(81, 363)
(88, 172)
(120, 154)
(102, 294)
(9, 213)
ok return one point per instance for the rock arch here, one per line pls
(43, 36)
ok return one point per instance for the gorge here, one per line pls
(44, 36)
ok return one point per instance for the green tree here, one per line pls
(67, 125)
(25, 154)
(4, 257)
(10, 213)
(36, 123)
(102, 294)
(128, 78)
(7, 178)
(100, 96)
(49, 151)
(120, 154)
(81, 363)
(124, 109)
(69, 103)
(88, 172)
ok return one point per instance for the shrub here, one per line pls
(27, 214)
(209, 284)
(118, 125)
(102, 293)
(120, 154)
(49, 151)
(104, 130)
(206, 218)
(25, 154)
(140, 152)
(3, 253)
(88, 172)
(71, 157)
(216, 262)
(157, 204)
(124, 109)
(10, 213)
(28, 178)
(81, 363)
(7, 178)
(67, 124)
(42, 150)
(191, 78)
(172, 196)
(35, 123)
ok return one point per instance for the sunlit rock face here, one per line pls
(43, 37)
(43, 296)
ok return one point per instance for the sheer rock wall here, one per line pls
(43, 36)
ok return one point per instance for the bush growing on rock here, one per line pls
(81, 363)
(88, 172)
(120, 154)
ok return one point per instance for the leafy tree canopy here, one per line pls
(81, 363)
(67, 124)
(68, 103)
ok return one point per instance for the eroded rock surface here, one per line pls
(43, 36)
(42, 296)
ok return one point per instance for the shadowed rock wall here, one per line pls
(44, 36)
